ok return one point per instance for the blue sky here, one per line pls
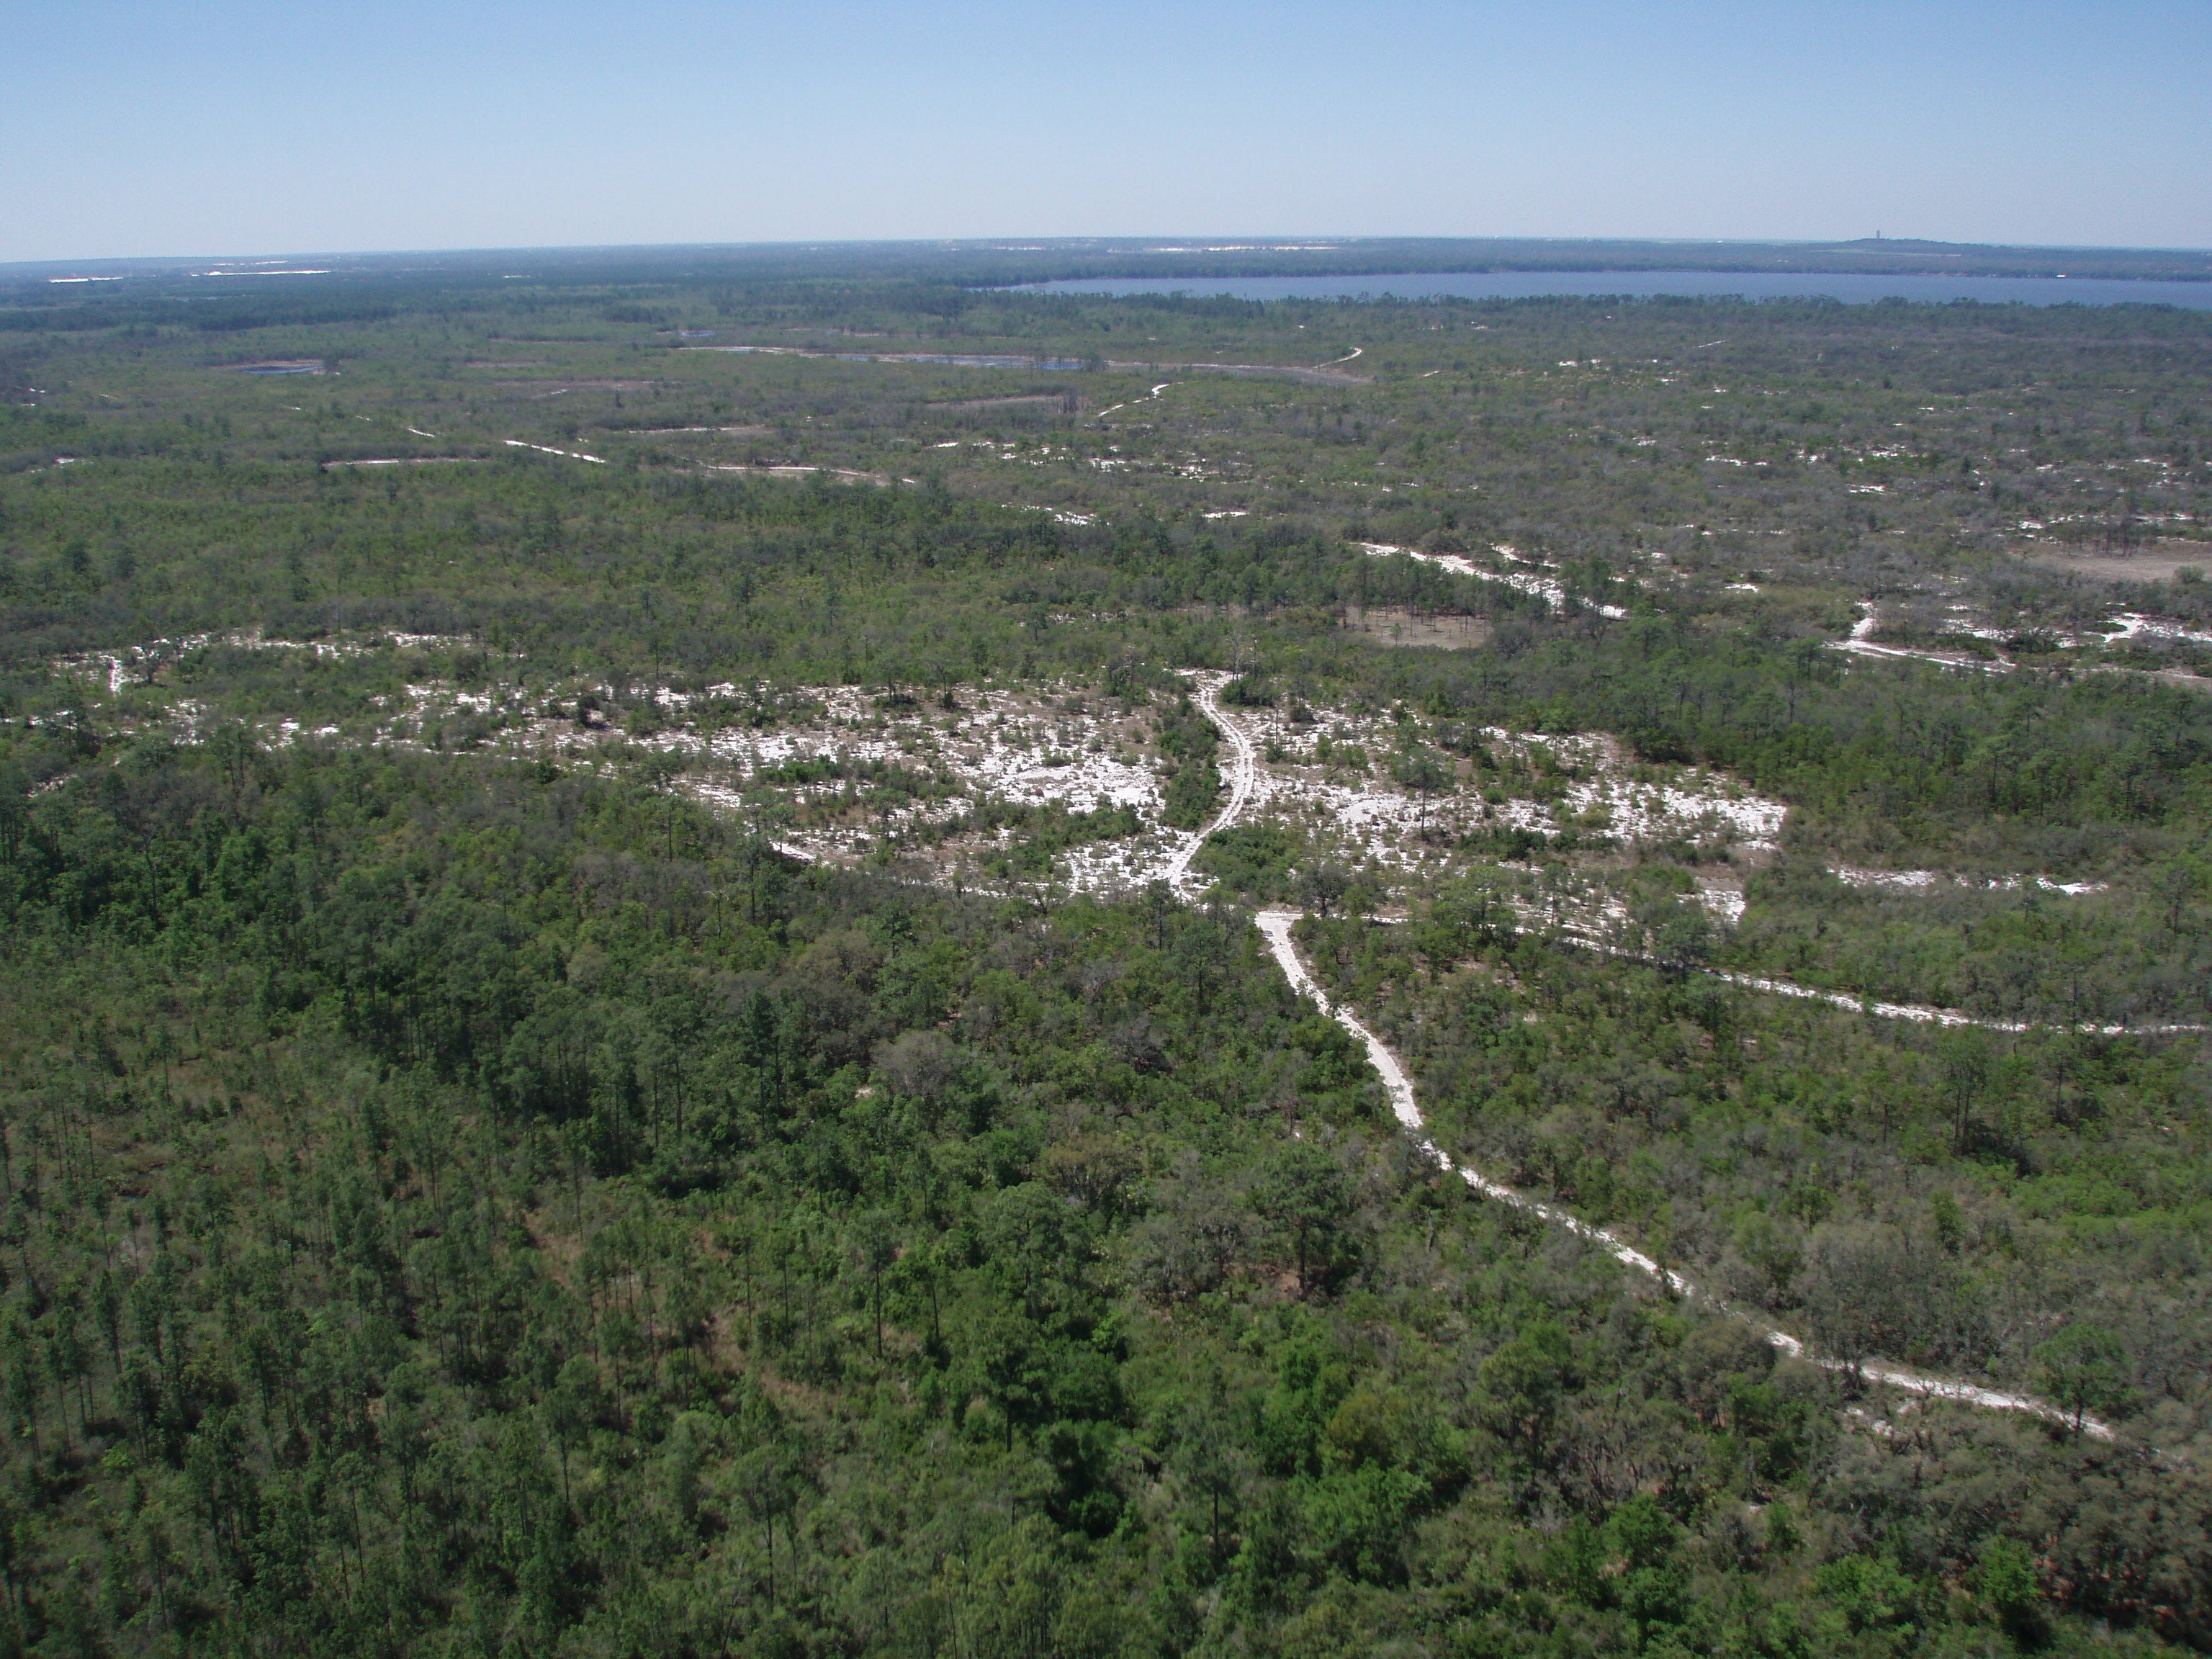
(251, 127)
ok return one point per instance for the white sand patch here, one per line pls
(1526, 581)
(1723, 904)
(1062, 748)
(1902, 881)
(856, 776)
(1374, 820)
(1859, 645)
(1924, 881)
(2118, 631)
(1374, 825)
(2131, 625)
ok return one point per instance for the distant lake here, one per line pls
(1750, 284)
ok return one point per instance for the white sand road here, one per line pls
(1277, 924)
(1243, 782)
(1926, 1016)
(567, 454)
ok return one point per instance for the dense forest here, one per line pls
(634, 1026)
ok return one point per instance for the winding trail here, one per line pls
(1243, 782)
(1133, 401)
(1276, 926)
(545, 449)
(1928, 1016)
(1859, 645)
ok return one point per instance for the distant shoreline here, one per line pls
(1849, 288)
(1007, 261)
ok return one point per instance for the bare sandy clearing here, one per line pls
(866, 777)
(2158, 563)
(2134, 625)
(1858, 644)
(1332, 772)
(1929, 881)
(1527, 578)
(1396, 625)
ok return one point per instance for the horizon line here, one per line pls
(1161, 243)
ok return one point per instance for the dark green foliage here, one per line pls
(1252, 862)
(1194, 784)
(505, 1233)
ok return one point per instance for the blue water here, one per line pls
(1749, 284)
